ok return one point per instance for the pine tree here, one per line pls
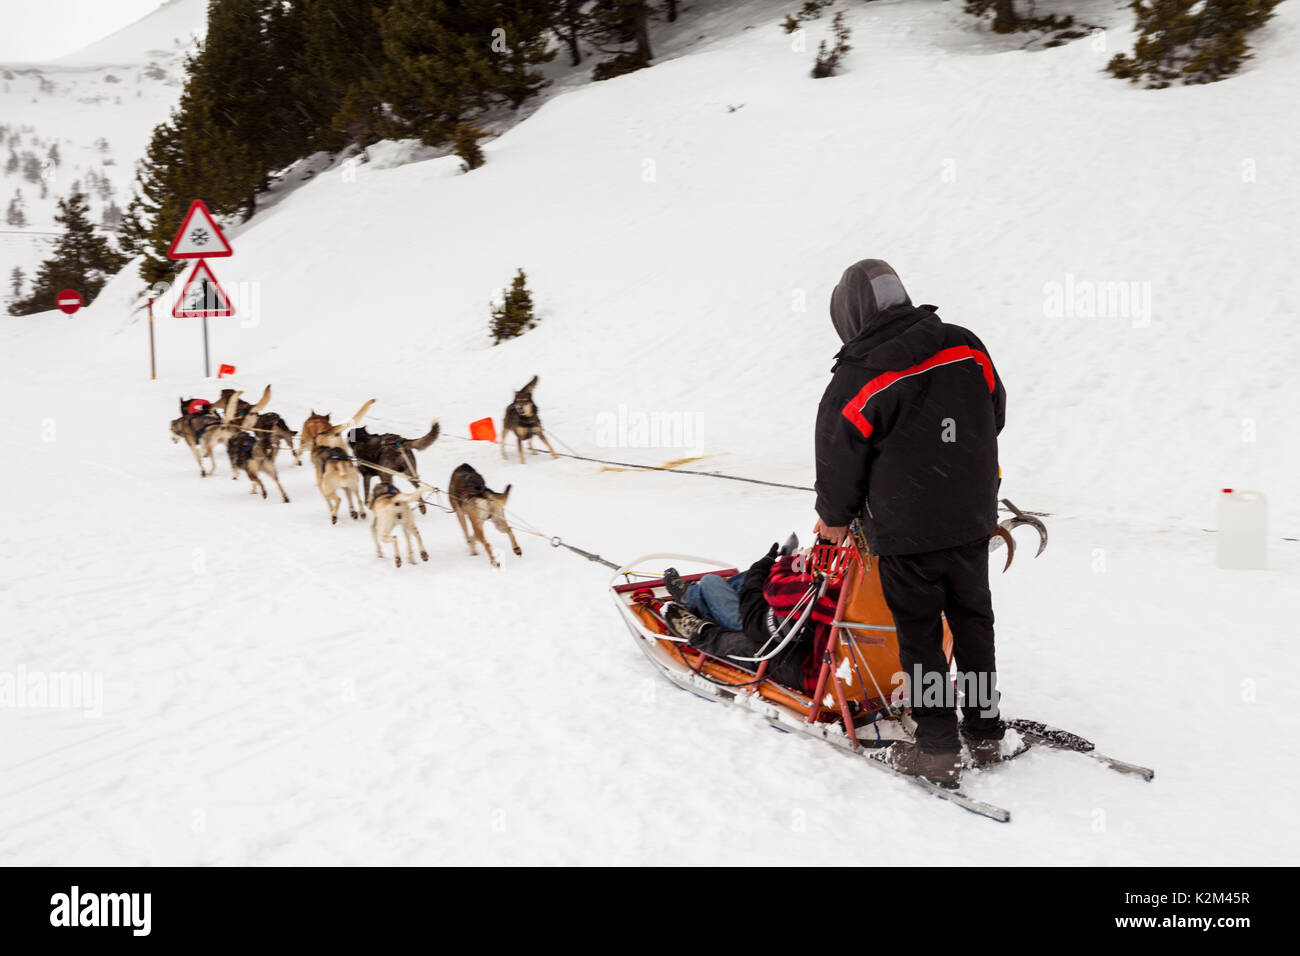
(338, 70)
(16, 281)
(521, 44)
(1006, 19)
(241, 122)
(14, 215)
(828, 59)
(464, 142)
(111, 217)
(1192, 41)
(82, 260)
(449, 61)
(514, 316)
(570, 26)
(160, 200)
(616, 24)
(31, 167)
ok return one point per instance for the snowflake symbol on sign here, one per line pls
(200, 237)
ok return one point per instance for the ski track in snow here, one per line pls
(274, 693)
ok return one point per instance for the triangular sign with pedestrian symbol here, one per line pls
(202, 296)
(199, 236)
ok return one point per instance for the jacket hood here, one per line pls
(897, 338)
(866, 289)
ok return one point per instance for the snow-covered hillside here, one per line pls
(274, 693)
(95, 109)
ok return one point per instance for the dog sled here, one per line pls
(858, 703)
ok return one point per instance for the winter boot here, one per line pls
(685, 624)
(942, 767)
(984, 752)
(675, 585)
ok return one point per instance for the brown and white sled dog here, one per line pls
(251, 455)
(335, 469)
(189, 427)
(474, 502)
(204, 432)
(272, 430)
(313, 426)
(389, 508)
(523, 421)
(254, 453)
(318, 425)
(384, 456)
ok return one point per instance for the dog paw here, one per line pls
(518, 552)
(424, 555)
(334, 519)
(397, 561)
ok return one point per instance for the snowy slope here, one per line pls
(173, 27)
(99, 106)
(273, 693)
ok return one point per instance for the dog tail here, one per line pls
(231, 405)
(420, 444)
(355, 420)
(263, 401)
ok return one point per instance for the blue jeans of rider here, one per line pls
(718, 599)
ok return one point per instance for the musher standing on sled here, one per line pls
(907, 442)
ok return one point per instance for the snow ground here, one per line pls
(273, 693)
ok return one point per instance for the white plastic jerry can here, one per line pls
(1242, 538)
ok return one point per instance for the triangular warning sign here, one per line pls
(199, 236)
(202, 296)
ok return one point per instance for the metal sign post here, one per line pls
(201, 238)
(153, 363)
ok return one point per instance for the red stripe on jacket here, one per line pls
(958, 353)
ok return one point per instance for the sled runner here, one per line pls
(857, 704)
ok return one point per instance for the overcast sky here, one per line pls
(44, 29)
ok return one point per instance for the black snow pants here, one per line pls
(954, 582)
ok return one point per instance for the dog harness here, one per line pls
(383, 490)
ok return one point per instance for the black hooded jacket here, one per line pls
(907, 428)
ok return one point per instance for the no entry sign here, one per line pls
(69, 301)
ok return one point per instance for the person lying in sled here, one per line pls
(752, 613)
(714, 597)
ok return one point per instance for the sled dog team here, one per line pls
(345, 464)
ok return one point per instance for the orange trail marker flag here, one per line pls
(225, 370)
(483, 430)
